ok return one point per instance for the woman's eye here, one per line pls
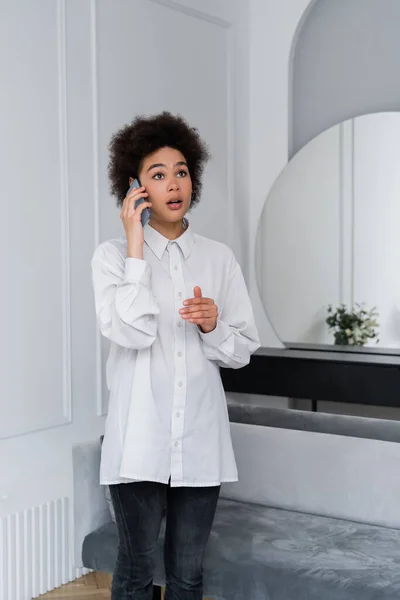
(182, 174)
(158, 176)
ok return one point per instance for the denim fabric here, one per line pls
(139, 509)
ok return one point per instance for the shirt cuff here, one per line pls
(217, 336)
(135, 269)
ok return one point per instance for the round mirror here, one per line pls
(329, 235)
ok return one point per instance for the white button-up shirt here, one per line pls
(167, 417)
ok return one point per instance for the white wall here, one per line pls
(79, 71)
(273, 27)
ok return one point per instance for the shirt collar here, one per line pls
(158, 243)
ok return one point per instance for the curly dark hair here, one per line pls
(130, 145)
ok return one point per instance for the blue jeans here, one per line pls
(139, 508)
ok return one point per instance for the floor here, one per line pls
(95, 586)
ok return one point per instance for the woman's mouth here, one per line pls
(175, 204)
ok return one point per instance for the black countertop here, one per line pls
(366, 377)
(328, 353)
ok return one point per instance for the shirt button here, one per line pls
(180, 383)
(179, 354)
(176, 444)
(180, 324)
(178, 415)
(175, 267)
(180, 294)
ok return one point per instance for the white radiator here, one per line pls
(35, 551)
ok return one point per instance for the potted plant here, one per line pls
(353, 326)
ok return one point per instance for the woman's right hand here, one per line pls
(131, 220)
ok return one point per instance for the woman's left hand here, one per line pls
(200, 311)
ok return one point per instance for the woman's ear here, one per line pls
(130, 181)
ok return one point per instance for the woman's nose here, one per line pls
(173, 185)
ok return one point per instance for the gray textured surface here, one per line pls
(241, 411)
(260, 553)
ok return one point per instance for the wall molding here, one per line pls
(228, 28)
(65, 224)
(193, 12)
(346, 212)
(66, 417)
(230, 143)
(100, 409)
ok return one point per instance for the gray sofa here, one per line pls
(315, 516)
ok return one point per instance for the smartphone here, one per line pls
(146, 214)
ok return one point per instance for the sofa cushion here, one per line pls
(262, 553)
(317, 473)
(107, 493)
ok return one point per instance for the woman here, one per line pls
(175, 307)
